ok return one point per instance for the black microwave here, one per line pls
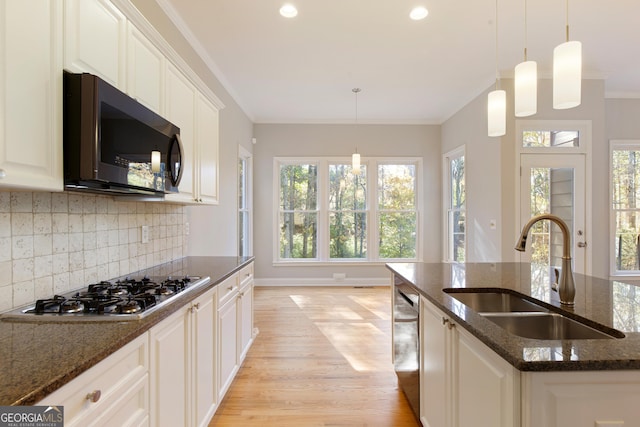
(114, 144)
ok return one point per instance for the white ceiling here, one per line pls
(302, 70)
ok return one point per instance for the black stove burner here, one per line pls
(124, 296)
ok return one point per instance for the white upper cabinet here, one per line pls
(95, 40)
(31, 94)
(207, 143)
(180, 96)
(145, 70)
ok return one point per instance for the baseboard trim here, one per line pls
(318, 281)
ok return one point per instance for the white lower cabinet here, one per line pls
(463, 383)
(182, 364)
(577, 399)
(235, 325)
(114, 392)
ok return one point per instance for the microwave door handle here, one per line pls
(174, 175)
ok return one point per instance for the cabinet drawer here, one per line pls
(246, 274)
(227, 289)
(113, 378)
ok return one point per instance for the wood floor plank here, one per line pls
(322, 358)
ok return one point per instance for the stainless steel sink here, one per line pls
(518, 315)
(545, 326)
(493, 301)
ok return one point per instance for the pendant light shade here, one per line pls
(355, 163)
(355, 157)
(567, 75)
(526, 89)
(497, 113)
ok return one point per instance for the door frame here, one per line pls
(584, 128)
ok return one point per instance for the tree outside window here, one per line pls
(397, 213)
(298, 211)
(347, 212)
(625, 175)
(325, 210)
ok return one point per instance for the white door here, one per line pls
(553, 183)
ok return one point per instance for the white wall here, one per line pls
(282, 140)
(213, 229)
(483, 179)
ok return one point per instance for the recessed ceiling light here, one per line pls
(288, 11)
(418, 13)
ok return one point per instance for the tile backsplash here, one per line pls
(56, 242)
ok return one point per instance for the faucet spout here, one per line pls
(566, 287)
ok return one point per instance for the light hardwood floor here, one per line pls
(322, 358)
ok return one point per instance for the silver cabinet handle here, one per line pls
(582, 244)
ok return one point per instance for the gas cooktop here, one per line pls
(123, 299)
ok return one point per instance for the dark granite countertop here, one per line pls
(36, 358)
(612, 304)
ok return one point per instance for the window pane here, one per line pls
(558, 138)
(627, 236)
(298, 187)
(457, 196)
(298, 235)
(241, 184)
(626, 179)
(457, 233)
(242, 233)
(348, 235)
(398, 235)
(347, 190)
(396, 187)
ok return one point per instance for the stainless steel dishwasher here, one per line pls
(406, 341)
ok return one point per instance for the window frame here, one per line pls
(631, 144)
(247, 157)
(447, 236)
(322, 204)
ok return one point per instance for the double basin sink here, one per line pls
(522, 316)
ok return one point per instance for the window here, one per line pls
(397, 213)
(625, 198)
(298, 222)
(455, 198)
(244, 204)
(329, 214)
(347, 212)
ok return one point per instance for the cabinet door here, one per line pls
(180, 96)
(207, 143)
(169, 351)
(488, 387)
(204, 362)
(145, 70)
(95, 40)
(245, 329)
(31, 94)
(123, 383)
(581, 398)
(434, 399)
(227, 345)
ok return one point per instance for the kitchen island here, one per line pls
(474, 372)
(37, 358)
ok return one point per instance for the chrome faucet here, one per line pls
(564, 284)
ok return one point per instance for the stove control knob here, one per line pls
(94, 396)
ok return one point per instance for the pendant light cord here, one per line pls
(497, 73)
(525, 30)
(567, 21)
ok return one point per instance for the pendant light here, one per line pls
(497, 101)
(355, 157)
(567, 72)
(526, 81)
